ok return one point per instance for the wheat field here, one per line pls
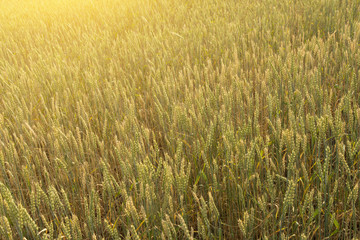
(179, 119)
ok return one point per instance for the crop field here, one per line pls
(179, 119)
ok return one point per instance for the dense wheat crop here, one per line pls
(179, 119)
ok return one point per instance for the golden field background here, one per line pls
(166, 119)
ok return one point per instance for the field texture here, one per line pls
(179, 119)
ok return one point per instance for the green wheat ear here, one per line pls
(184, 228)
(6, 229)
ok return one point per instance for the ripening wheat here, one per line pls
(167, 119)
